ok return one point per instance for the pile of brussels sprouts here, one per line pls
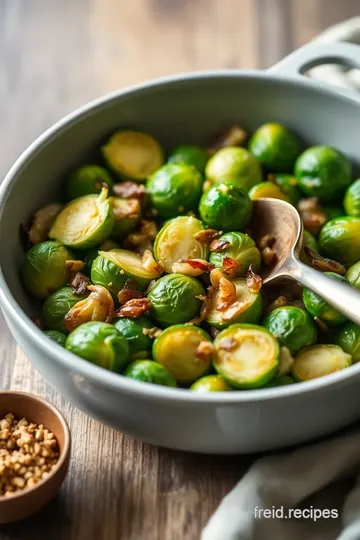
(148, 269)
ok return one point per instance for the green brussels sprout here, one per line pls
(210, 383)
(267, 189)
(175, 299)
(323, 172)
(185, 350)
(309, 241)
(190, 155)
(246, 355)
(175, 189)
(150, 372)
(352, 199)
(225, 206)
(90, 255)
(317, 307)
(234, 164)
(127, 213)
(353, 275)
(292, 326)
(57, 305)
(333, 212)
(241, 248)
(289, 185)
(85, 222)
(340, 240)
(319, 360)
(275, 147)
(58, 337)
(140, 343)
(281, 380)
(44, 268)
(101, 344)
(175, 242)
(247, 307)
(87, 180)
(132, 154)
(348, 338)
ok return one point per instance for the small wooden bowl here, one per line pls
(38, 411)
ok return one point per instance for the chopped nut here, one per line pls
(131, 209)
(134, 308)
(204, 351)
(152, 333)
(98, 306)
(268, 256)
(228, 344)
(75, 266)
(207, 235)
(79, 283)
(234, 136)
(322, 263)
(253, 281)
(149, 264)
(231, 266)
(267, 240)
(130, 291)
(217, 246)
(142, 240)
(192, 267)
(215, 276)
(227, 294)
(129, 190)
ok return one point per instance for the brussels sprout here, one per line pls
(340, 240)
(317, 307)
(150, 372)
(85, 222)
(323, 172)
(348, 338)
(267, 189)
(353, 275)
(139, 342)
(44, 268)
(282, 380)
(56, 336)
(225, 206)
(246, 355)
(87, 180)
(246, 307)
(309, 241)
(241, 248)
(175, 189)
(185, 350)
(318, 361)
(210, 383)
(127, 213)
(292, 326)
(275, 147)
(235, 164)
(175, 242)
(101, 344)
(90, 255)
(190, 155)
(333, 212)
(132, 154)
(288, 185)
(175, 299)
(57, 305)
(352, 199)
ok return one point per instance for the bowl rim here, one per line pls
(100, 376)
(64, 455)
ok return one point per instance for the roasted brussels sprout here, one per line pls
(98, 306)
(175, 299)
(289, 186)
(282, 380)
(56, 307)
(140, 343)
(352, 199)
(85, 222)
(275, 147)
(239, 247)
(317, 307)
(318, 361)
(87, 180)
(150, 372)
(348, 338)
(267, 189)
(340, 240)
(44, 268)
(234, 164)
(185, 350)
(190, 155)
(132, 154)
(210, 383)
(323, 172)
(225, 206)
(90, 255)
(175, 189)
(58, 337)
(127, 213)
(309, 241)
(100, 343)
(292, 326)
(246, 355)
(353, 275)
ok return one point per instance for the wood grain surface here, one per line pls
(54, 56)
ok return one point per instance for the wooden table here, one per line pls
(54, 56)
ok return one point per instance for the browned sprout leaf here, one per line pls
(134, 308)
(98, 306)
(129, 190)
(322, 263)
(207, 235)
(79, 283)
(253, 280)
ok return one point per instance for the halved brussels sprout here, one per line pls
(90, 255)
(175, 242)
(185, 350)
(44, 268)
(58, 337)
(340, 240)
(288, 184)
(190, 155)
(87, 180)
(246, 355)
(225, 206)
(57, 305)
(175, 189)
(241, 248)
(282, 380)
(318, 361)
(85, 222)
(275, 147)
(100, 343)
(247, 307)
(353, 275)
(323, 172)
(267, 189)
(175, 299)
(133, 329)
(133, 154)
(352, 199)
(348, 339)
(292, 326)
(127, 213)
(309, 241)
(317, 307)
(235, 164)
(150, 372)
(210, 383)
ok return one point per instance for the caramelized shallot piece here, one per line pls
(129, 190)
(79, 283)
(192, 267)
(204, 351)
(227, 294)
(149, 264)
(98, 306)
(130, 291)
(253, 280)
(134, 308)
(322, 263)
(231, 266)
(207, 235)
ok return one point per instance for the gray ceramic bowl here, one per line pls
(184, 108)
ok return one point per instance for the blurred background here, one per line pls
(56, 55)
